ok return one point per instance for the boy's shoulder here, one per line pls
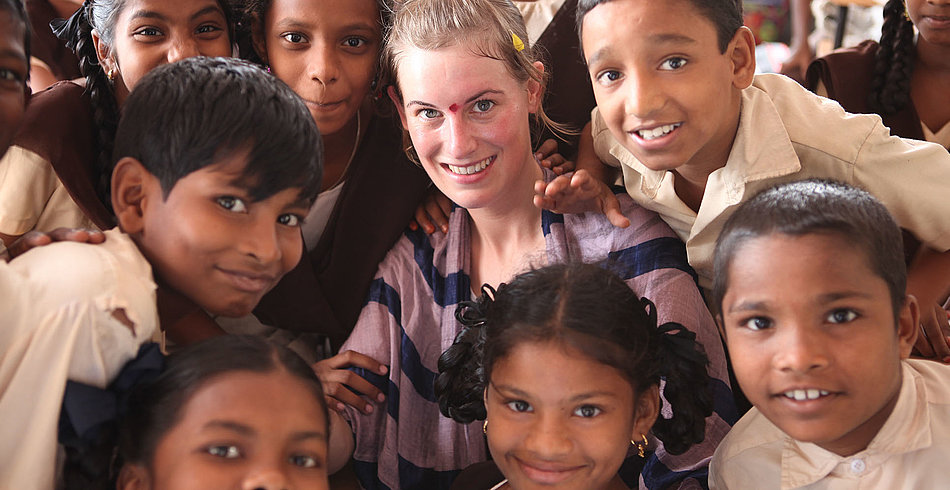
(750, 455)
(69, 273)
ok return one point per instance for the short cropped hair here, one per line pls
(725, 15)
(188, 115)
(811, 207)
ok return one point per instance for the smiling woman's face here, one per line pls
(327, 51)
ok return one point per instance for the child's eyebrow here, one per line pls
(229, 425)
(839, 295)
(671, 38)
(149, 14)
(306, 435)
(12, 53)
(748, 306)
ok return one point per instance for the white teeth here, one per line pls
(471, 169)
(650, 134)
(802, 395)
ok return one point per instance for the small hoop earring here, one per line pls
(641, 446)
(485, 427)
(111, 74)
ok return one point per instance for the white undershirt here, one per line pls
(319, 215)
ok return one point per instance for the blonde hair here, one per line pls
(488, 27)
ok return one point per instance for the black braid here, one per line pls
(894, 65)
(77, 32)
(682, 364)
(460, 385)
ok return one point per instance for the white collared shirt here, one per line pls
(787, 134)
(910, 451)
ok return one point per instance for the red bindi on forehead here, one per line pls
(454, 108)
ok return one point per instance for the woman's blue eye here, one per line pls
(519, 406)
(354, 42)
(289, 220)
(429, 113)
(587, 411)
(224, 451)
(673, 63)
(842, 315)
(232, 203)
(483, 105)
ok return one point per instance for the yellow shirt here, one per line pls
(787, 134)
(56, 312)
(911, 450)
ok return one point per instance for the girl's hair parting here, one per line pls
(592, 310)
(812, 207)
(155, 407)
(101, 16)
(16, 8)
(726, 16)
(894, 61)
(490, 28)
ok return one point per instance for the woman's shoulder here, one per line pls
(846, 75)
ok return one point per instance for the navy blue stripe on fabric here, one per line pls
(383, 384)
(412, 477)
(447, 291)
(724, 403)
(422, 378)
(651, 255)
(368, 475)
(656, 475)
(548, 218)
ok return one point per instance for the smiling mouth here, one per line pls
(546, 473)
(471, 169)
(249, 282)
(654, 133)
(805, 395)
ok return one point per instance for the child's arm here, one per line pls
(342, 386)
(340, 444)
(33, 239)
(928, 279)
(585, 190)
(802, 20)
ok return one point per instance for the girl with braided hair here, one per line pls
(903, 78)
(564, 365)
(57, 172)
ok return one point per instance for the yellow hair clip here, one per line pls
(519, 44)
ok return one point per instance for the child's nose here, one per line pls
(324, 66)
(261, 241)
(549, 438)
(265, 479)
(644, 96)
(183, 48)
(801, 350)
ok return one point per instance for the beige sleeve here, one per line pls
(912, 179)
(603, 140)
(27, 181)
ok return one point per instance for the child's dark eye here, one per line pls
(294, 37)
(843, 315)
(224, 451)
(519, 406)
(147, 31)
(587, 411)
(289, 220)
(757, 323)
(673, 63)
(354, 42)
(608, 77)
(303, 461)
(8, 75)
(233, 204)
(207, 29)
(483, 105)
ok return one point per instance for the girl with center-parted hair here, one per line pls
(563, 364)
(468, 87)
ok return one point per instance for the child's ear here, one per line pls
(397, 101)
(908, 325)
(103, 52)
(646, 411)
(129, 181)
(534, 90)
(257, 37)
(132, 477)
(741, 51)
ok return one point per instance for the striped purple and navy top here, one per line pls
(409, 320)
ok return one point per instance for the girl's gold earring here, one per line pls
(485, 427)
(111, 74)
(641, 445)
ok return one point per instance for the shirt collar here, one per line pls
(906, 429)
(762, 148)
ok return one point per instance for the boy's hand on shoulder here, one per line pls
(433, 212)
(339, 382)
(549, 158)
(933, 341)
(579, 192)
(34, 239)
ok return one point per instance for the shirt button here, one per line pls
(858, 466)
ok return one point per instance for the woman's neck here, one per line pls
(507, 236)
